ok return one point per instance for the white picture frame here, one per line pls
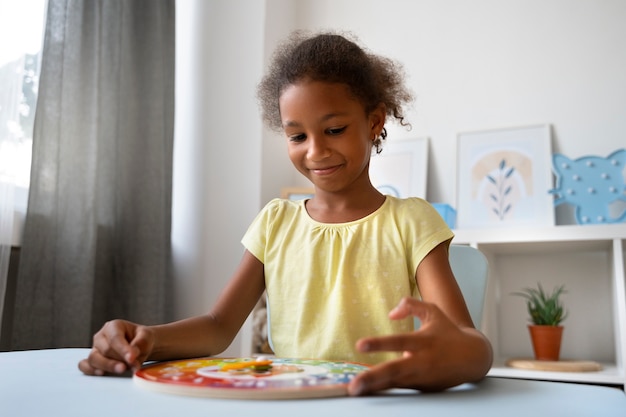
(504, 178)
(401, 169)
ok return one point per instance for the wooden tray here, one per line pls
(554, 366)
(234, 378)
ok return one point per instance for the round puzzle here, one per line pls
(250, 378)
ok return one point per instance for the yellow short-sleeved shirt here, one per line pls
(329, 285)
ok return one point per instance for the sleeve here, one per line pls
(255, 238)
(427, 231)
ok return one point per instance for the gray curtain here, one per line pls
(97, 236)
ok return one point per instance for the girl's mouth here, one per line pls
(325, 171)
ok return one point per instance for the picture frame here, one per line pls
(504, 178)
(401, 169)
(297, 193)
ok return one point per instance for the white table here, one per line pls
(43, 383)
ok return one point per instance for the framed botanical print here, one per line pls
(505, 178)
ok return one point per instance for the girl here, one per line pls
(346, 270)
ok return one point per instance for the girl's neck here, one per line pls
(343, 207)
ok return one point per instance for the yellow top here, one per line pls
(329, 285)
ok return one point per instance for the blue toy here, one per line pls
(592, 184)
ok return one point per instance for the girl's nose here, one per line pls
(318, 148)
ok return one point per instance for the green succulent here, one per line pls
(544, 309)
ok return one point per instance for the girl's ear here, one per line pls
(377, 119)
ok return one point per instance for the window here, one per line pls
(21, 39)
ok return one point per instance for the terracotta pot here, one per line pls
(546, 341)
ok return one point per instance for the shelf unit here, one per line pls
(590, 261)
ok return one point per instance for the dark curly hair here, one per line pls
(333, 57)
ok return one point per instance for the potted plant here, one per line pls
(546, 314)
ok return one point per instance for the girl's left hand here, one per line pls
(437, 356)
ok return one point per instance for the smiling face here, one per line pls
(329, 134)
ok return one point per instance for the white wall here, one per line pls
(217, 159)
(486, 64)
(473, 65)
(277, 170)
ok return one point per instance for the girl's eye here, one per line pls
(297, 138)
(336, 130)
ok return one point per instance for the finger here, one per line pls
(140, 348)
(111, 348)
(134, 358)
(98, 364)
(113, 341)
(120, 344)
(392, 343)
(87, 369)
(380, 377)
(408, 307)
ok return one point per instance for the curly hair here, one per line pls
(332, 57)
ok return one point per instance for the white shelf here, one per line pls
(565, 234)
(610, 374)
(590, 261)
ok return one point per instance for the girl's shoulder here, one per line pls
(281, 207)
(413, 211)
(409, 204)
(283, 203)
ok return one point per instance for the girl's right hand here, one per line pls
(118, 347)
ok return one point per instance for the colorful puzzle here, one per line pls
(250, 378)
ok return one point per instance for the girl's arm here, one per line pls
(437, 285)
(212, 333)
(120, 344)
(446, 350)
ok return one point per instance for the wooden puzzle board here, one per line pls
(244, 378)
